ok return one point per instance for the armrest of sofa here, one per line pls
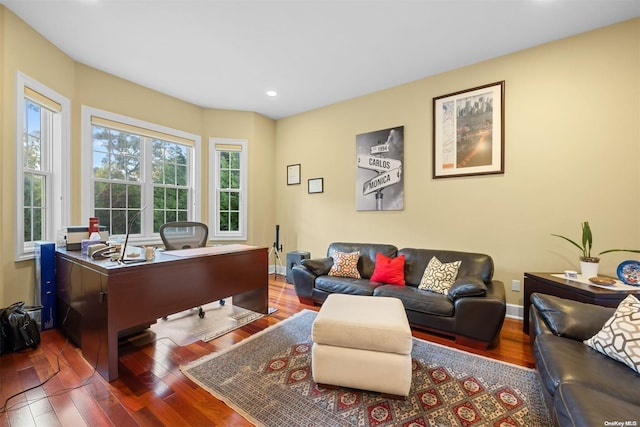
(570, 319)
(537, 324)
(305, 273)
(318, 266)
(482, 317)
(469, 286)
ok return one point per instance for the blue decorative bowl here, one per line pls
(629, 272)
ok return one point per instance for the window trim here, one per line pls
(57, 202)
(87, 161)
(214, 214)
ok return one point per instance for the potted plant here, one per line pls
(588, 263)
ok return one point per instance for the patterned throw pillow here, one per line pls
(439, 277)
(345, 264)
(619, 338)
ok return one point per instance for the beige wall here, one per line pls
(260, 132)
(97, 89)
(572, 114)
(27, 51)
(572, 149)
(23, 49)
(262, 196)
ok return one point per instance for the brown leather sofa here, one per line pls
(582, 387)
(473, 311)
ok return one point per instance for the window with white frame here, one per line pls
(228, 203)
(42, 164)
(138, 166)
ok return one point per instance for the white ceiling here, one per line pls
(227, 54)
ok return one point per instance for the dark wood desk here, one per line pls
(103, 300)
(545, 283)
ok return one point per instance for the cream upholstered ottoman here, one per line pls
(362, 342)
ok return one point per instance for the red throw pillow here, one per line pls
(389, 270)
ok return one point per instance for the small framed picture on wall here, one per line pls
(315, 185)
(293, 174)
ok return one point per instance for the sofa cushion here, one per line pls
(345, 285)
(582, 405)
(563, 360)
(368, 251)
(417, 300)
(389, 270)
(345, 264)
(619, 338)
(473, 264)
(467, 287)
(439, 277)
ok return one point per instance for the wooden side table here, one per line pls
(546, 283)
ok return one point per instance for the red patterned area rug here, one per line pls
(267, 379)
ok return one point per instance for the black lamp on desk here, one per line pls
(121, 259)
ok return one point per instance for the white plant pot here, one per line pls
(589, 269)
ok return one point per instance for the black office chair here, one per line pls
(185, 235)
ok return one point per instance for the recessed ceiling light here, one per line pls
(271, 93)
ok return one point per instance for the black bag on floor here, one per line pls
(17, 329)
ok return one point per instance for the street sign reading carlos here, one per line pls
(378, 164)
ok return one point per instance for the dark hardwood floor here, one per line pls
(151, 390)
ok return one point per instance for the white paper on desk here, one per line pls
(134, 253)
(618, 286)
(209, 250)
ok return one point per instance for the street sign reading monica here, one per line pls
(378, 164)
(381, 181)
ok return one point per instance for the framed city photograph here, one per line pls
(293, 174)
(315, 185)
(468, 132)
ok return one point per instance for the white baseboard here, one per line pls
(515, 311)
(280, 270)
